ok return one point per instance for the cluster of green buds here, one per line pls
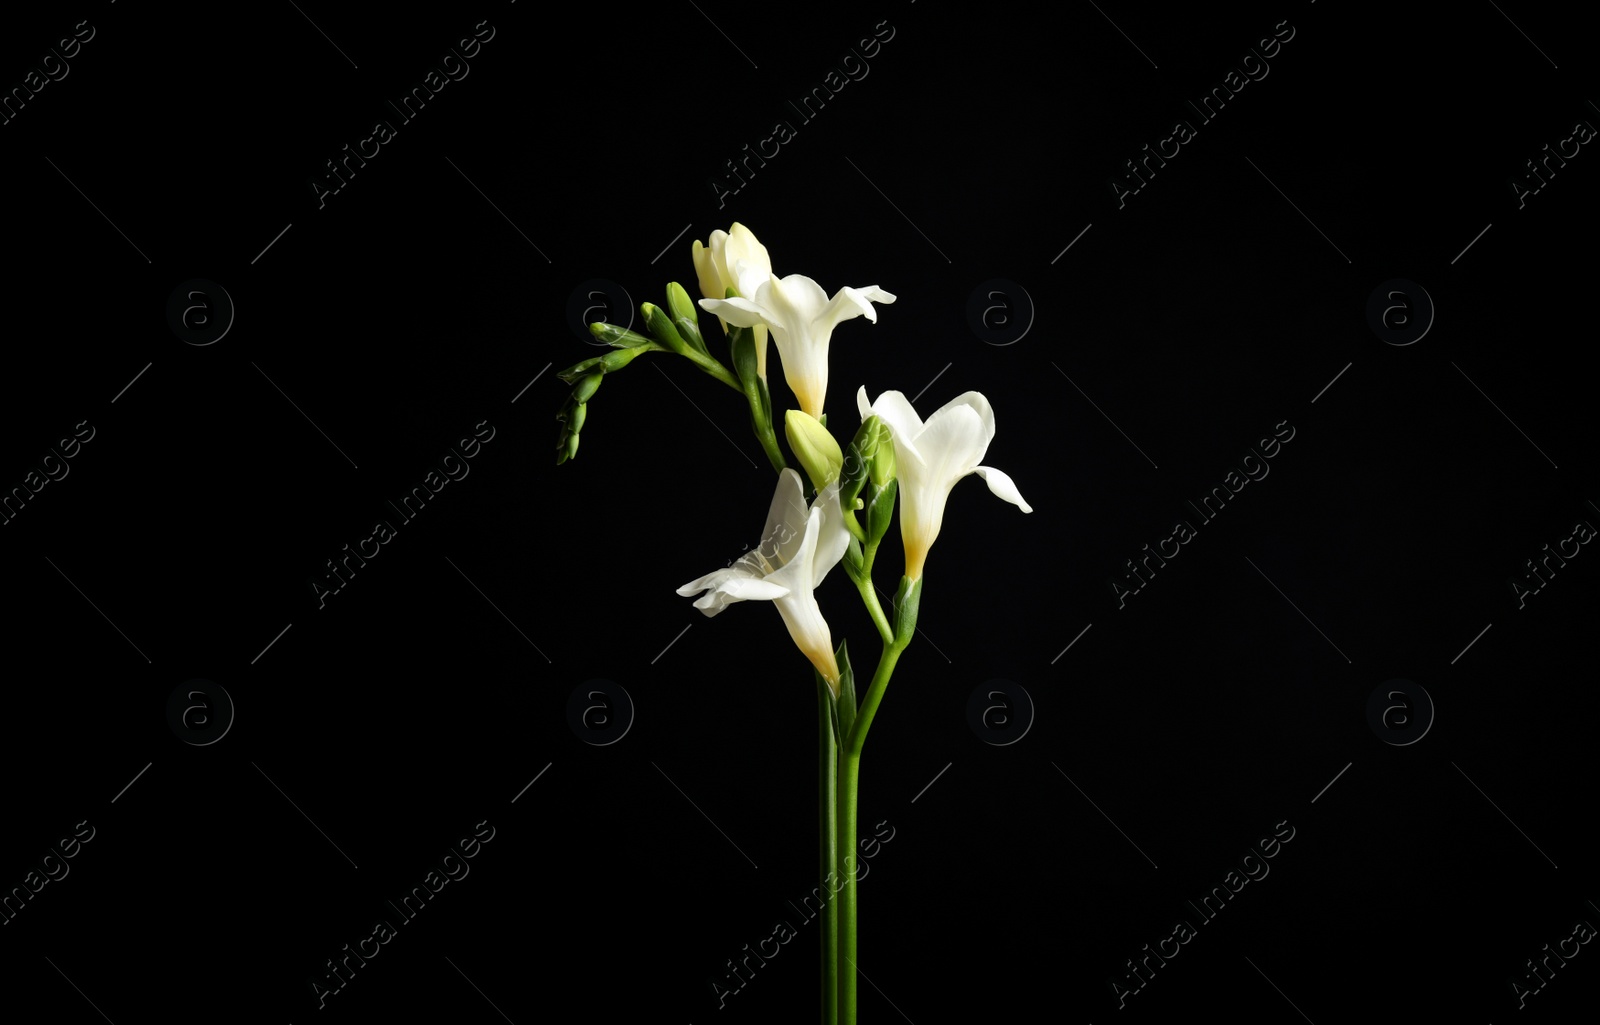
(585, 378)
(674, 329)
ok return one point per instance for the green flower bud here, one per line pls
(576, 417)
(661, 327)
(816, 449)
(685, 316)
(586, 387)
(857, 464)
(883, 464)
(620, 337)
(622, 357)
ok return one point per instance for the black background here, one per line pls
(424, 297)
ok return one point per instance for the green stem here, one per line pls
(715, 369)
(869, 596)
(845, 899)
(828, 845)
(848, 778)
(769, 441)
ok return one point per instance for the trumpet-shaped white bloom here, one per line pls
(931, 457)
(802, 319)
(798, 549)
(734, 259)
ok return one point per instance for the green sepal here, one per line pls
(743, 344)
(847, 690)
(766, 399)
(825, 696)
(906, 600)
(852, 556)
(685, 316)
(620, 337)
(880, 512)
(661, 327)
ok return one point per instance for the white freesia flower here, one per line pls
(931, 457)
(734, 259)
(798, 549)
(802, 319)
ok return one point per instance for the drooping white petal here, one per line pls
(1002, 485)
(726, 586)
(846, 304)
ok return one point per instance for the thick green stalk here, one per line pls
(828, 844)
(848, 860)
(845, 899)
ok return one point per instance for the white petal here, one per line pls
(846, 304)
(833, 538)
(751, 589)
(705, 273)
(795, 300)
(978, 404)
(896, 410)
(714, 579)
(748, 262)
(738, 312)
(952, 443)
(786, 520)
(795, 574)
(726, 586)
(1001, 484)
(810, 631)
